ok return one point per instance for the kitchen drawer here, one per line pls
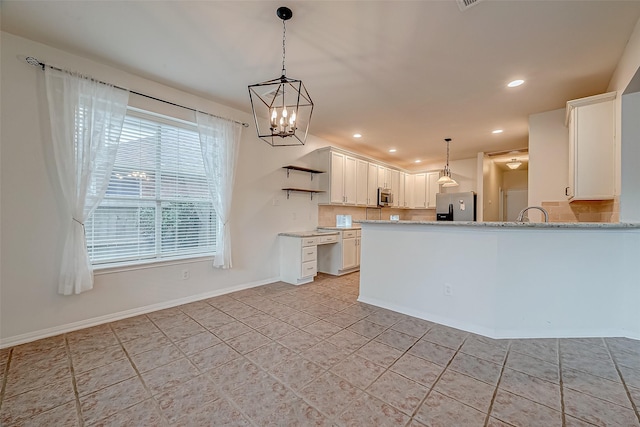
(309, 253)
(309, 241)
(349, 234)
(328, 239)
(309, 268)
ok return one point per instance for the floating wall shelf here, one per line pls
(302, 190)
(301, 169)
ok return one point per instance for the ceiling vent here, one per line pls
(466, 4)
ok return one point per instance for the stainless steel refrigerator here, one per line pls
(456, 206)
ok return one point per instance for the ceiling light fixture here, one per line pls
(497, 131)
(515, 83)
(445, 179)
(393, 150)
(357, 135)
(283, 101)
(514, 164)
(418, 161)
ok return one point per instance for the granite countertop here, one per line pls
(564, 225)
(355, 227)
(312, 233)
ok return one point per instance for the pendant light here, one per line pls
(281, 107)
(514, 164)
(445, 178)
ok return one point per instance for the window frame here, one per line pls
(158, 202)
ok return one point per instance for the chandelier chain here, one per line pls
(284, 34)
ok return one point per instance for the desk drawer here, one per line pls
(309, 268)
(309, 253)
(309, 241)
(328, 239)
(349, 234)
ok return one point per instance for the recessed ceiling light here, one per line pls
(393, 150)
(357, 135)
(497, 131)
(515, 83)
(418, 161)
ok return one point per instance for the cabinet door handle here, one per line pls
(566, 191)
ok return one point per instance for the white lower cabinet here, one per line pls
(341, 258)
(349, 250)
(298, 259)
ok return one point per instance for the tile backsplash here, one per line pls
(327, 214)
(584, 211)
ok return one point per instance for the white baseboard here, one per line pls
(95, 321)
(502, 333)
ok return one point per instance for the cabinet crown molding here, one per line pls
(587, 101)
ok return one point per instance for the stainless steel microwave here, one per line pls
(385, 198)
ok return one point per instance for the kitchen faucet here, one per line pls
(522, 212)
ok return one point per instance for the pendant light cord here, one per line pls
(284, 34)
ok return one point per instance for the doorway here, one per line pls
(514, 201)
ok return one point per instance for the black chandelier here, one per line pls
(281, 107)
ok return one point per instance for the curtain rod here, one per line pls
(36, 63)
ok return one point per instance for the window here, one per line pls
(157, 204)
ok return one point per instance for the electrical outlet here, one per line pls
(185, 274)
(448, 289)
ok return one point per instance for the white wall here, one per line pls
(515, 180)
(630, 195)
(492, 178)
(32, 222)
(625, 70)
(465, 172)
(628, 127)
(548, 157)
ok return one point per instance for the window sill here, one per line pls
(101, 269)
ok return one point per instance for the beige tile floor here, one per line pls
(311, 355)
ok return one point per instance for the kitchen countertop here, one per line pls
(563, 225)
(357, 227)
(313, 233)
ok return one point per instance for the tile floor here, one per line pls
(311, 355)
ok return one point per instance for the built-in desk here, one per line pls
(299, 254)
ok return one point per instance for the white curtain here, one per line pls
(86, 123)
(220, 143)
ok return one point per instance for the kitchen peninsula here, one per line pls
(507, 280)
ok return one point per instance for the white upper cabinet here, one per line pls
(384, 177)
(408, 190)
(420, 190)
(337, 178)
(372, 185)
(432, 188)
(353, 180)
(591, 123)
(343, 179)
(402, 190)
(395, 186)
(347, 180)
(350, 179)
(362, 193)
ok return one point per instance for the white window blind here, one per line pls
(157, 205)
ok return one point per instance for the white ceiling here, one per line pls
(405, 74)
